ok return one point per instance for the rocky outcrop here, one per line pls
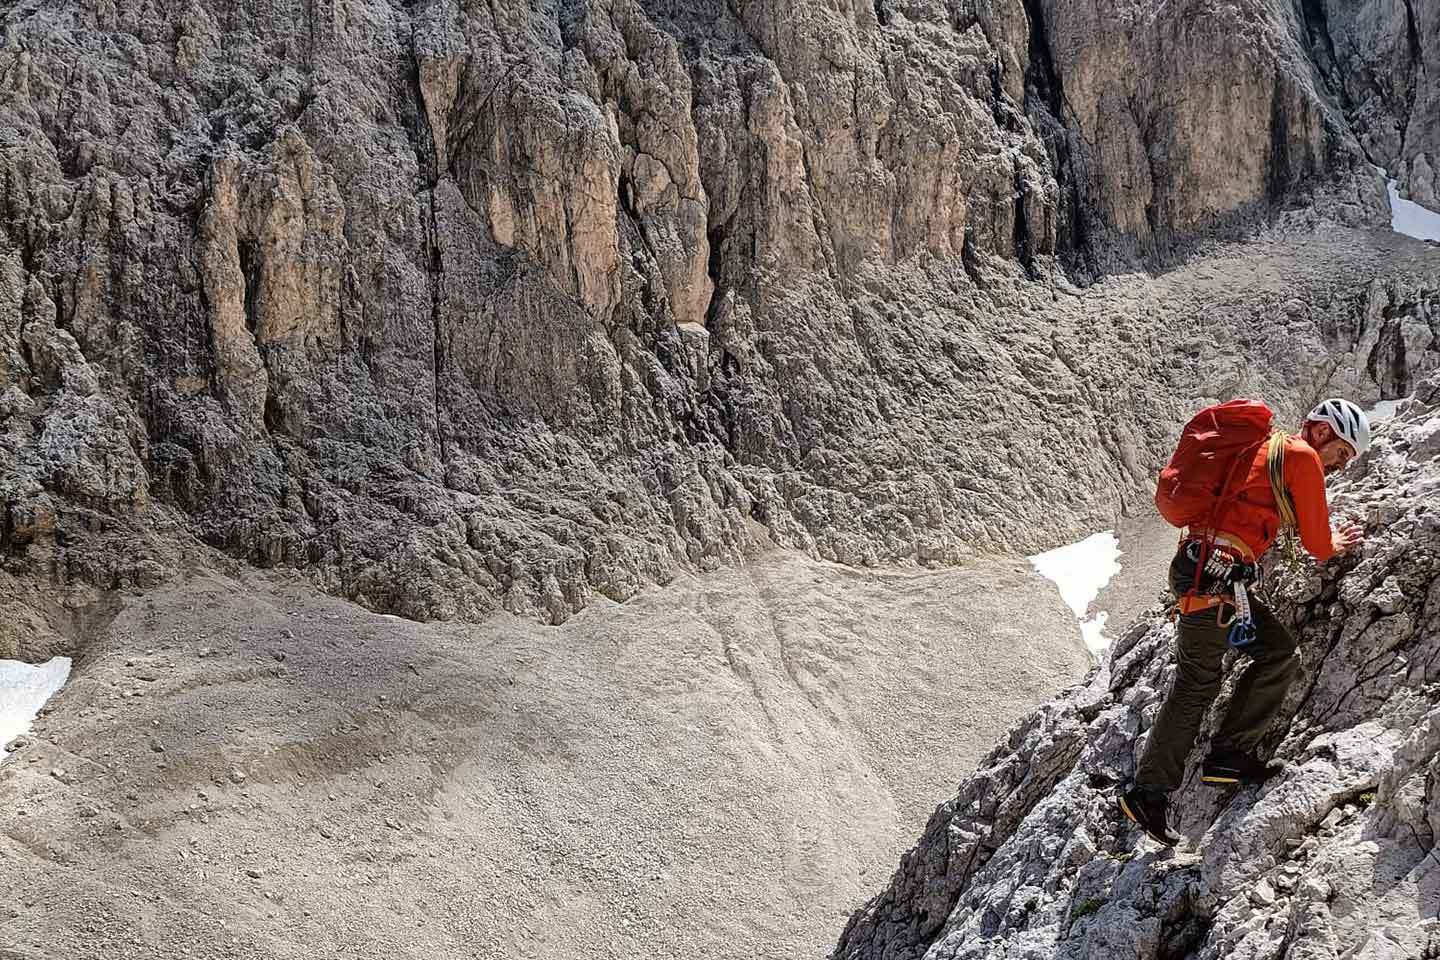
(1334, 857)
(460, 307)
(1177, 120)
(1379, 63)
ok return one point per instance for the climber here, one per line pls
(1245, 522)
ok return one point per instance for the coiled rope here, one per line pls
(1275, 461)
(1290, 576)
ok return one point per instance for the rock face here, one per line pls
(1334, 857)
(461, 306)
(1378, 62)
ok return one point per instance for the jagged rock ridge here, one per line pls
(462, 305)
(1335, 857)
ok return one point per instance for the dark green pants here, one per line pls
(1199, 648)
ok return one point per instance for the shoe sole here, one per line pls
(1125, 809)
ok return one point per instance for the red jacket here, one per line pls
(1254, 516)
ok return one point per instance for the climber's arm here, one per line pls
(1305, 479)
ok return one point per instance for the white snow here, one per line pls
(1411, 219)
(24, 688)
(1384, 409)
(1093, 631)
(1081, 571)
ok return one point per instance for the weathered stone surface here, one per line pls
(720, 768)
(1333, 857)
(1378, 62)
(1181, 119)
(461, 306)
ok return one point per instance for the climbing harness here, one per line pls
(1229, 567)
(1229, 560)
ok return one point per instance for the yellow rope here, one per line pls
(1275, 460)
(1290, 573)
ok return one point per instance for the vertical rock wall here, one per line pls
(462, 305)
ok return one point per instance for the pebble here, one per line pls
(237, 776)
(255, 874)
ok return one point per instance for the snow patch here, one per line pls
(1081, 570)
(24, 688)
(1384, 409)
(1411, 219)
(1093, 631)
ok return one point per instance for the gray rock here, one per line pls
(1362, 738)
(627, 290)
(1377, 61)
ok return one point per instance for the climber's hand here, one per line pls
(1347, 537)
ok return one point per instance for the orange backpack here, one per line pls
(1217, 446)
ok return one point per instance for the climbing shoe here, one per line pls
(1147, 809)
(1235, 766)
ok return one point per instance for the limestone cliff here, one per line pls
(459, 306)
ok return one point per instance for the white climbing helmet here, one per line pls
(1347, 420)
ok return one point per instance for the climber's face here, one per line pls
(1335, 453)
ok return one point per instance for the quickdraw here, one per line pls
(1242, 626)
(1221, 566)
